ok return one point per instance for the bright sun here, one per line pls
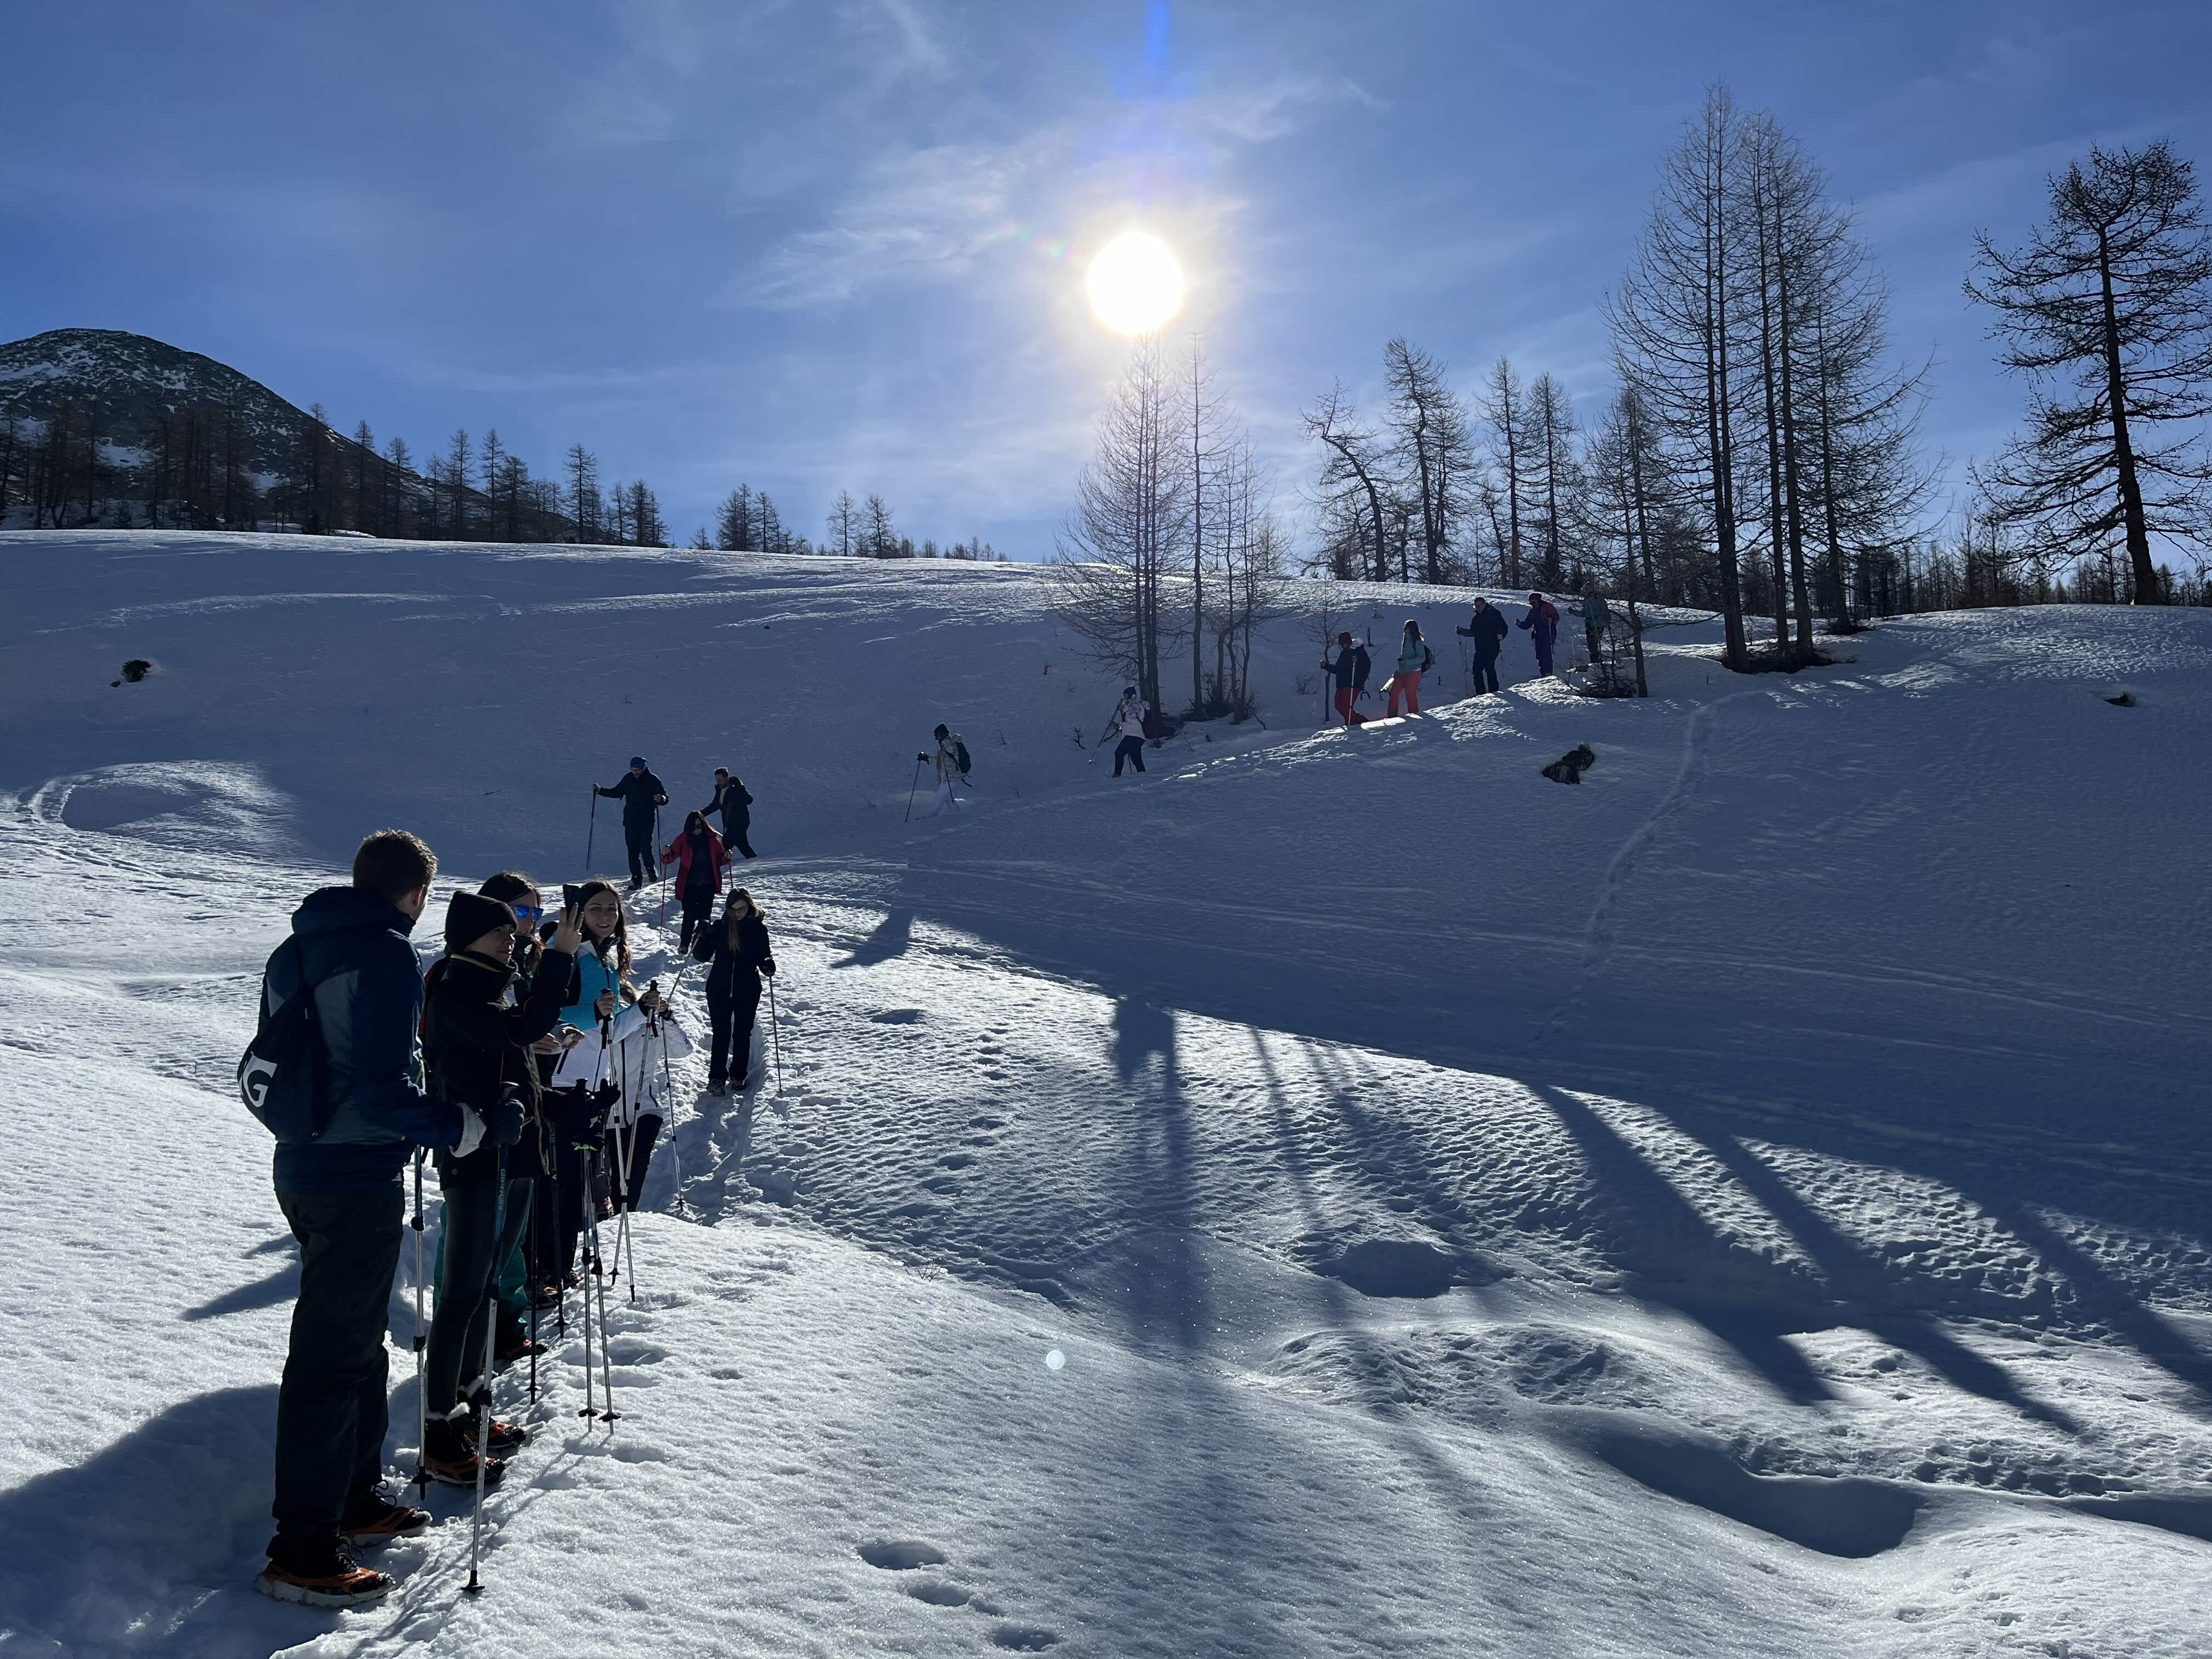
(1135, 284)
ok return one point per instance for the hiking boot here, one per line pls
(372, 1519)
(317, 1572)
(449, 1456)
(506, 1438)
(520, 1347)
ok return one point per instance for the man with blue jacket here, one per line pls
(342, 1195)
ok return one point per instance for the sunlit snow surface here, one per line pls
(1752, 1203)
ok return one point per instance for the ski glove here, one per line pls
(504, 1127)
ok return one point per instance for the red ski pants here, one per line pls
(1410, 685)
(1345, 712)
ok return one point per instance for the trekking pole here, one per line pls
(660, 921)
(422, 1339)
(775, 1036)
(913, 785)
(607, 1412)
(529, 1263)
(592, 837)
(475, 1586)
(590, 1240)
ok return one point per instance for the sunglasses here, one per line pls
(527, 913)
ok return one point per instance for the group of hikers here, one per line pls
(1486, 632)
(514, 1063)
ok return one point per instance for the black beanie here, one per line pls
(470, 916)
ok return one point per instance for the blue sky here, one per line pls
(839, 243)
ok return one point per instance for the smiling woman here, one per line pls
(1135, 284)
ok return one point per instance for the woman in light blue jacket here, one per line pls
(1413, 661)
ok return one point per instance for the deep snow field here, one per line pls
(1339, 1193)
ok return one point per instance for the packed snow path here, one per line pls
(1342, 1194)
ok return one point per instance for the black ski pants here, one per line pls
(698, 911)
(1129, 749)
(637, 836)
(1485, 673)
(736, 827)
(731, 1005)
(469, 1249)
(569, 1110)
(331, 1411)
(626, 1180)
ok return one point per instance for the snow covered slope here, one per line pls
(1341, 1194)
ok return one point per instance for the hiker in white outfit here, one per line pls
(947, 761)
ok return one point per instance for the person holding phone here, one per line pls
(598, 996)
(477, 1040)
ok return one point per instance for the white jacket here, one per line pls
(635, 1062)
(1129, 717)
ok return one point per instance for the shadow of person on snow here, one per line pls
(891, 937)
(150, 1546)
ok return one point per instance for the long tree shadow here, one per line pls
(1662, 1240)
(1855, 1275)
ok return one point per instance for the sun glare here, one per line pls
(1135, 284)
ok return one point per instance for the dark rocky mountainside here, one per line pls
(126, 386)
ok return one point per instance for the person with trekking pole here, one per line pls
(1129, 719)
(477, 1043)
(641, 793)
(533, 1161)
(699, 858)
(347, 984)
(1414, 659)
(738, 957)
(1486, 632)
(733, 803)
(1541, 625)
(1350, 670)
(597, 992)
(950, 760)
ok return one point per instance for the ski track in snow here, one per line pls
(1168, 1236)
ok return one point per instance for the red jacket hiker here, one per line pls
(678, 853)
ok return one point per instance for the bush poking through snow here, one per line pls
(133, 672)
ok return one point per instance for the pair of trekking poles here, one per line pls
(480, 1394)
(592, 841)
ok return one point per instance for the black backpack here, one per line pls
(283, 1077)
(960, 756)
(1428, 656)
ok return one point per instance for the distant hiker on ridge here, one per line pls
(1127, 719)
(735, 804)
(947, 759)
(639, 791)
(1542, 625)
(1351, 667)
(1414, 659)
(1486, 628)
(1595, 614)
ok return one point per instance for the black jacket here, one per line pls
(734, 965)
(733, 802)
(475, 1044)
(639, 793)
(1488, 631)
(1352, 665)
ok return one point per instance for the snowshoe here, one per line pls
(449, 1456)
(318, 1573)
(377, 1520)
(519, 1348)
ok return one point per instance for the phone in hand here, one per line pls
(572, 897)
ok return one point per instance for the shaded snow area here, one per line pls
(1340, 1195)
